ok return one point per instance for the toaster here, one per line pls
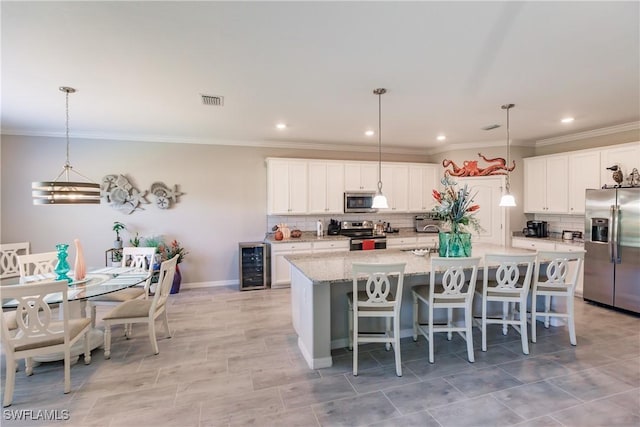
(427, 223)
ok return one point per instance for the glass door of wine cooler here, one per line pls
(254, 265)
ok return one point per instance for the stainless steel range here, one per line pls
(362, 235)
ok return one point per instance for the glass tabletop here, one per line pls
(97, 282)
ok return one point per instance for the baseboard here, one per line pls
(217, 283)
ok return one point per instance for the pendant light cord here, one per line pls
(67, 164)
(380, 140)
(508, 107)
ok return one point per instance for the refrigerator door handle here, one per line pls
(612, 235)
(616, 234)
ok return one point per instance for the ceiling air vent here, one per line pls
(491, 127)
(217, 101)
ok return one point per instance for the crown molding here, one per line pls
(589, 134)
(298, 145)
(475, 145)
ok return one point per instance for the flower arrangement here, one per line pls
(171, 250)
(456, 207)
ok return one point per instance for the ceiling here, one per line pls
(140, 69)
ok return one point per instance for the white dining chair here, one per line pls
(511, 289)
(9, 253)
(143, 310)
(554, 281)
(138, 257)
(376, 301)
(34, 264)
(37, 333)
(452, 283)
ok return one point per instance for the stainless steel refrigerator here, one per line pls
(612, 242)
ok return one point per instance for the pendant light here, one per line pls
(66, 191)
(380, 201)
(507, 199)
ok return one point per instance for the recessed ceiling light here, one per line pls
(441, 138)
(567, 120)
(369, 133)
(281, 126)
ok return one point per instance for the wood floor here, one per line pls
(233, 361)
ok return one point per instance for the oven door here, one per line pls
(363, 244)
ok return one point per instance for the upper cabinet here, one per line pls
(361, 176)
(626, 157)
(326, 187)
(423, 179)
(395, 181)
(556, 183)
(546, 184)
(581, 177)
(286, 186)
(307, 186)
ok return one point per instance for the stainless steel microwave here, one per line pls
(359, 201)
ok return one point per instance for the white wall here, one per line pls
(224, 201)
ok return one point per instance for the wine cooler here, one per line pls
(254, 266)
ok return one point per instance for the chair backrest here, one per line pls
(378, 285)
(33, 315)
(41, 263)
(9, 258)
(458, 277)
(556, 272)
(165, 280)
(141, 257)
(508, 275)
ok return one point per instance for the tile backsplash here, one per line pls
(560, 223)
(308, 222)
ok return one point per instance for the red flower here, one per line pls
(437, 196)
(473, 208)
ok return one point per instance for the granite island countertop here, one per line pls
(336, 267)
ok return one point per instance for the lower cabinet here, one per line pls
(538, 245)
(280, 268)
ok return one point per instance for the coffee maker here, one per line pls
(536, 229)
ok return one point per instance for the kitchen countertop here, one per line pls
(310, 236)
(336, 267)
(554, 237)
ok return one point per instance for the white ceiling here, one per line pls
(140, 68)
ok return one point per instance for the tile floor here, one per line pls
(233, 361)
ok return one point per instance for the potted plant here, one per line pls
(457, 210)
(169, 252)
(118, 227)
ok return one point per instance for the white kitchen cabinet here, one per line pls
(331, 246)
(427, 241)
(546, 187)
(402, 242)
(286, 187)
(361, 176)
(627, 156)
(533, 244)
(487, 192)
(581, 176)
(326, 187)
(572, 265)
(423, 179)
(280, 267)
(395, 186)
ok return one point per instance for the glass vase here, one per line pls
(454, 245)
(79, 268)
(62, 266)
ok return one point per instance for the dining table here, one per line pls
(97, 282)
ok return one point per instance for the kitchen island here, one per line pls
(320, 282)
